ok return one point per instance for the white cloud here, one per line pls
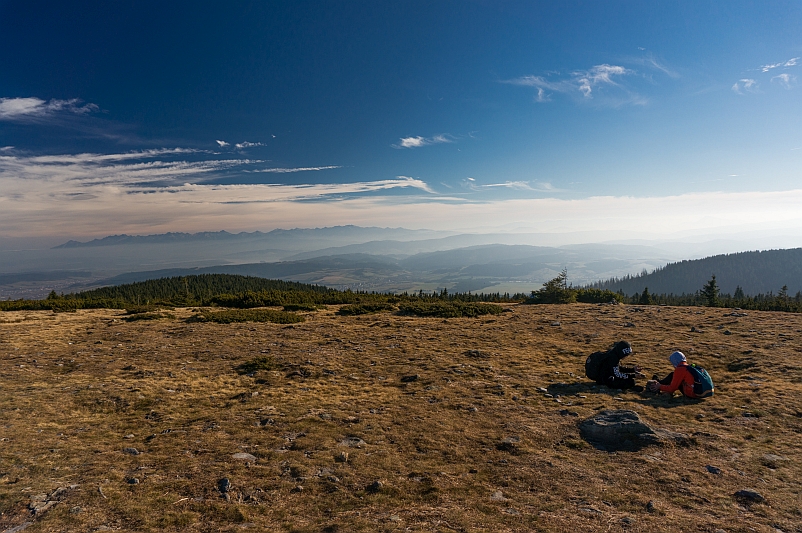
(418, 142)
(32, 108)
(604, 81)
(747, 84)
(246, 144)
(790, 63)
(785, 80)
(105, 188)
(296, 169)
(222, 144)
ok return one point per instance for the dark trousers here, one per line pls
(667, 380)
(619, 383)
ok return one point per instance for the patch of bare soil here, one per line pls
(389, 423)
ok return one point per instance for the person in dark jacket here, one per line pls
(616, 376)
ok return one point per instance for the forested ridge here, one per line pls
(759, 272)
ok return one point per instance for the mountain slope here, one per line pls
(755, 272)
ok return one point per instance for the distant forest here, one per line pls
(754, 273)
(230, 290)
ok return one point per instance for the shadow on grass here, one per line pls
(665, 401)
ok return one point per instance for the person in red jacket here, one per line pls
(680, 379)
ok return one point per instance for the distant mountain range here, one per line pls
(382, 259)
(755, 272)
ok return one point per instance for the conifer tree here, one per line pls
(710, 292)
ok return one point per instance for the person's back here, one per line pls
(681, 379)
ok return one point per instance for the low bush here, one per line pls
(364, 309)
(449, 309)
(248, 315)
(303, 307)
(254, 365)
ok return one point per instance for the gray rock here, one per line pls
(713, 469)
(410, 378)
(622, 428)
(749, 495)
(352, 442)
(773, 461)
(341, 458)
(132, 481)
(131, 451)
(244, 457)
(498, 497)
(375, 487)
(650, 507)
(555, 323)
(224, 485)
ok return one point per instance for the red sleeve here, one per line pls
(679, 376)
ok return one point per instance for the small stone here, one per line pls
(75, 510)
(341, 458)
(224, 485)
(244, 457)
(352, 442)
(132, 481)
(548, 396)
(555, 323)
(131, 451)
(727, 332)
(650, 506)
(498, 496)
(566, 412)
(713, 469)
(591, 510)
(627, 521)
(131, 436)
(298, 488)
(473, 471)
(374, 487)
(542, 389)
(700, 416)
(333, 479)
(410, 378)
(749, 495)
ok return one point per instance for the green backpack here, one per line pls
(702, 383)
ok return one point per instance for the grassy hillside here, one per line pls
(384, 422)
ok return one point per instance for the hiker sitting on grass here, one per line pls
(692, 381)
(605, 368)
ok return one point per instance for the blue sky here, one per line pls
(144, 117)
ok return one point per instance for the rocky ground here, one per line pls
(388, 423)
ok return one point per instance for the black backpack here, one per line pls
(594, 363)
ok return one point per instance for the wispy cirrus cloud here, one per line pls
(472, 184)
(32, 109)
(246, 144)
(419, 142)
(745, 85)
(606, 84)
(280, 170)
(785, 80)
(158, 184)
(771, 66)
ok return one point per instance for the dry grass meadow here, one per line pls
(131, 426)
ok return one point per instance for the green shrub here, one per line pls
(364, 309)
(248, 315)
(254, 365)
(148, 316)
(449, 309)
(302, 307)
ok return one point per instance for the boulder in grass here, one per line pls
(623, 429)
